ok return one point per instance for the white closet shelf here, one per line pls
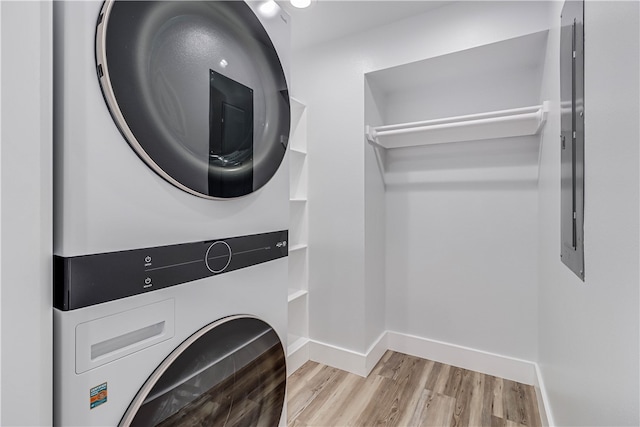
(298, 200)
(298, 151)
(496, 124)
(294, 343)
(294, 294)
(297, 247)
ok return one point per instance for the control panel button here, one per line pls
(218, 256)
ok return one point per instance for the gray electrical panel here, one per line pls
(572, 136)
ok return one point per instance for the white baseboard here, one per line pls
(522, 371)
(510, 368)
(375, 352)
(297, 357)
(543, 399)
(337, 357)
(348, 360)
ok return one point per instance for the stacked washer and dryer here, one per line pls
(171, 124)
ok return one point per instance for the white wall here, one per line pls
(330, 78)
(375, 224)
(588, 332)
(462, 262)
(25, 225)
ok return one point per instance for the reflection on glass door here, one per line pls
(230, 137)
(230, 373)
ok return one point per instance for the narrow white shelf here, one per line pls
(297, 247)
(298, 200)
(294, 294)
(298, 151)
(294, 343)
(297, 108)
(495, 124)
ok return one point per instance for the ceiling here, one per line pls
(326, 20)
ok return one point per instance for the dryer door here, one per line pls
(198, 91)
(230, 373)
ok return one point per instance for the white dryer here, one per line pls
(171, 123)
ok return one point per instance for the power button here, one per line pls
(218, 257)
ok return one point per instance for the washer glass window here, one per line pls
(198, 91)
(229, 373)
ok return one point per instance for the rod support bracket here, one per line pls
(371, 135)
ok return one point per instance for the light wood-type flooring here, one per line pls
(404, 390)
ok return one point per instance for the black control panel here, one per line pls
(87, 280)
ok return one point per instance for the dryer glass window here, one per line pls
(198, 91)
(229, 373)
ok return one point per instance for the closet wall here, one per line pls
(461, 217)
(345, 296)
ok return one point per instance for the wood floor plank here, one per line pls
(398, 364)
(433, 377)
(453, 381)
(369, 416)
(300, 385)
(461, 414)
(417, 399)
(443, 378)
(359, 401)
(403, 391)
(438, 411)
(314, 386)
(322, 393)
(469, 400)
(401, 373)
(513, 397)
(487, 400)
(532, 410)
(496, 403)
(339, 400)
(420, 408)
(381, 363)
(410, 379)
(298, 380)
(476, 409)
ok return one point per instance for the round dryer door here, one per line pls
(198, 91)
(230, 373)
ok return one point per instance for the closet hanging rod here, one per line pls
(495, 124)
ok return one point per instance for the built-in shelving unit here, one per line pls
(298, 331)
(473, 127)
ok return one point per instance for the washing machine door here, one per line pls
(230, 373)
(197, 90)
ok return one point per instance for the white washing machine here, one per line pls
(208, 352)
(171, 122)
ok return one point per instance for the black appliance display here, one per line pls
(86, 280)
